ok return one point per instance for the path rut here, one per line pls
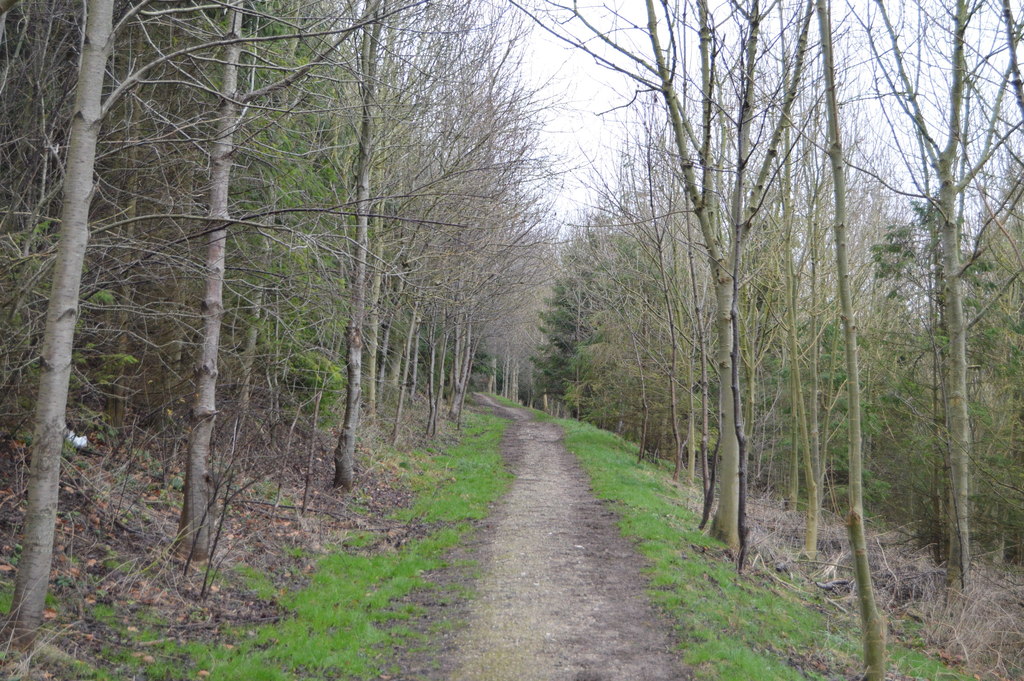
(560, 595)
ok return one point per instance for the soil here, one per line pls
(558, 593)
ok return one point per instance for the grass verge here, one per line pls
(345, 622)
(731, 627)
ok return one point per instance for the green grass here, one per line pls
(504, 400)
(731, 627)
(345, 624)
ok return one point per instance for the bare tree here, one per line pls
(953, 150)
(872, 623)
(344, 453)
(58, 341)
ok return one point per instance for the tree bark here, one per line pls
(492, 379)
(801, 431)
(958, 564)
(872, 623)
(701, 198)
(32, 581)
(739, 226)
(252, 335)
(193, 538)
(407, 360)
(465, 364)
(372, 337)
(345, 451)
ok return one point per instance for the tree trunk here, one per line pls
(702, 197)
(193, 538)
(959, 450)
(383, 351)
(414, 364)
(465, 363)
(645, 407)
(252, 335)
(431, 370)
(725, 524)
(739, 226)
(33, 577)
(506, 376)
(437, 383)
(691, 426)
(345, 451)
(492, 380)
(872, 623)
(408, 359)
(801, 431)
(372, 336)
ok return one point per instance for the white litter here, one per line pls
(77, 441)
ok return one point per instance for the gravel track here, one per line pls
(559, 595)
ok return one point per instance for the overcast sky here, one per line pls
(585, 121)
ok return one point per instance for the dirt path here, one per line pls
(559, 596)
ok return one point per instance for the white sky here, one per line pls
(584, 125)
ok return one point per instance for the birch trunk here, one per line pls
(33, 577)
(193, 538)
(872, 624)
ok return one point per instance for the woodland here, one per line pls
(255, 254)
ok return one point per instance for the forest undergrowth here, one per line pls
(288, 593)
(324, 594)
